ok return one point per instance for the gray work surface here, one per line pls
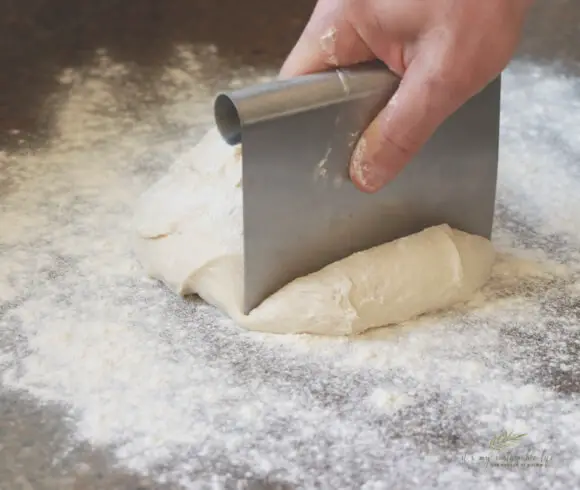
(109, 381)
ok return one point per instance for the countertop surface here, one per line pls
(109, 381)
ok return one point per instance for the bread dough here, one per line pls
(189, 235)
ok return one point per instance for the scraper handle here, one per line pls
(281, 98)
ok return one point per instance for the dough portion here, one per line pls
(189, 235)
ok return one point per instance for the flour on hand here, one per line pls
(189, 235)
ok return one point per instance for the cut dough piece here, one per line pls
(189, 228)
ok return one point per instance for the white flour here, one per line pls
(175, 390)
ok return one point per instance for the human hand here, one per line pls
(445, 51)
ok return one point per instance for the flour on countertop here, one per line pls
(176, 391)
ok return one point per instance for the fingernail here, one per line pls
(363, 171)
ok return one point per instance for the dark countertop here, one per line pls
(110, 382)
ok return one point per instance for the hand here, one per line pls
(445, 51)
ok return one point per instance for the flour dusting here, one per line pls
(177, 392)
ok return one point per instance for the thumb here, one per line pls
(328, 41)
(421, 103)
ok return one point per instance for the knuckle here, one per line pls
(405, 143)
(446, 90)
(451, 80)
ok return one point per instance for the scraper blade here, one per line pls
(301, 212)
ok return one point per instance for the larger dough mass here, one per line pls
(189, 227)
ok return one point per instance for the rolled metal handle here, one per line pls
(281, 98)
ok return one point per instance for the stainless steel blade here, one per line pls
(302, 212)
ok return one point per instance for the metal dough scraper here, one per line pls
(301, 211)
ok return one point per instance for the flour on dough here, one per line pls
(189, 235)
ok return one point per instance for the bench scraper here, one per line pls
(301, 212)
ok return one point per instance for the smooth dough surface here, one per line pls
(189, 235)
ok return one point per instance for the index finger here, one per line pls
(328, 41)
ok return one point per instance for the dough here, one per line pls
(189, 229)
